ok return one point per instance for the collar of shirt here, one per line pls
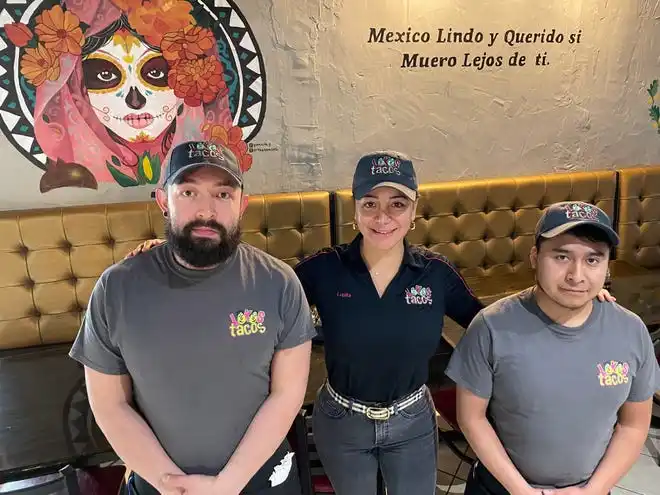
(353, 257)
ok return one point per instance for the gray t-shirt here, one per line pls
(197, 344)
(555, 391)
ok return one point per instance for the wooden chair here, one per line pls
(299, 443)
(444, 400)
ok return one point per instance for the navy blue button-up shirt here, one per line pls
(377, 349)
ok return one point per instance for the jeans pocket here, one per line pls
(329, 406)
(419, 408)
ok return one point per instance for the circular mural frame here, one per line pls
(242, 60)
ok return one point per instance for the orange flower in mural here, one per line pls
(198, 81)
(154, 18)
(40, 64)
(18, 33)
(232, 138)
(60, 31)
(188, 43)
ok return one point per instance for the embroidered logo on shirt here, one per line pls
(385, 166)
(247, 322)
(579, 211)
(613, 373)
(419, 295)
(344, 294)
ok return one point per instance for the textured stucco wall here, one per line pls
(332, 95)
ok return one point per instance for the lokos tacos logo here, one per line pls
(385, 165)
(99, 91)
(418, 295)
(580, 211)
(204, 149)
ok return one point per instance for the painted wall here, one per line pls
(332, 79)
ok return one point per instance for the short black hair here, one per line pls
(585, 232)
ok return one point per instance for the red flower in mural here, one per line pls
(60, 31)
(188, 43)
(232, 138)
(18, 33)
(40, 64)
(198, 81)
(154, 18)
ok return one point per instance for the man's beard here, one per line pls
(203, 252)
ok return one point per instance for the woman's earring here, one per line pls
(413, 225)
(355, 227)
(165, 214)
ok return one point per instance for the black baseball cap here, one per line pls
(385, 168)
(559, 218)
(192, 154)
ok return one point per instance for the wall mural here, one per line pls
(654, 110)
(98, 91)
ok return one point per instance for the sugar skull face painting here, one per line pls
(127, 86)
(99, 91)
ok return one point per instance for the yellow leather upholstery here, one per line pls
(50, 259)
(486, 227)
(636, 273)
(639, 216)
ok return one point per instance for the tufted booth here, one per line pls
(636, 273)
(52, 258)
(485, 227)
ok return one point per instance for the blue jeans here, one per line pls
(352, 448)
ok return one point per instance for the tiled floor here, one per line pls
(642, 479)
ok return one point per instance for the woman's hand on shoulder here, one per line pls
(145, 246)
(604, 295)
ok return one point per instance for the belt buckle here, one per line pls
(378, 413)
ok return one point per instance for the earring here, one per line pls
(355, 227)
(165, 214)
(413, 225)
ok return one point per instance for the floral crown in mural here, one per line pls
(196, 73)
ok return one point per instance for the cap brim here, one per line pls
(411, 194)
(173, 178)
(561, 229)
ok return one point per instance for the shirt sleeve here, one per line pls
(307, 272)
(298, 325)
(647, 378)
(461, 303)
(93, 346)
(471, 363)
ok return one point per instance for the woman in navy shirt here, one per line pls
(381, 302)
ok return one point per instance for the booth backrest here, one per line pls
(50, 259)
(639, 216)
(486, 227)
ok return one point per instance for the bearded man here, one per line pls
(197, 352)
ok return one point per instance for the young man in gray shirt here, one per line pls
(555, 388)
(197, 352)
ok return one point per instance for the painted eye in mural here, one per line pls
(154, 71)
(101, 74)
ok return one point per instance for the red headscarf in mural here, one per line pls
(118, 82)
